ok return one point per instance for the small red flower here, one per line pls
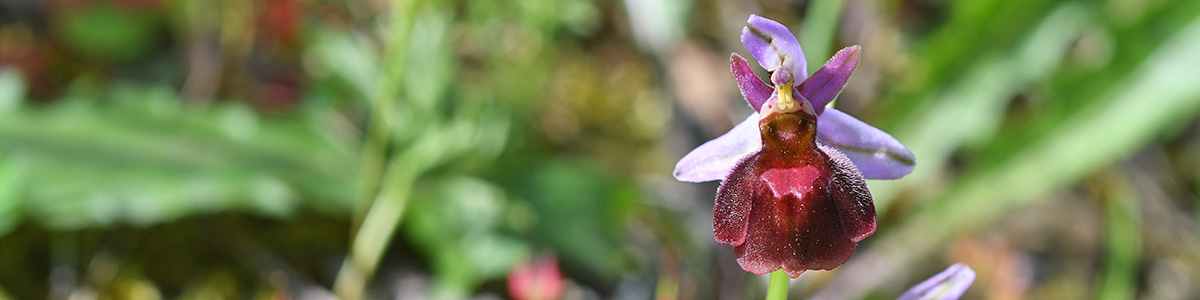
(536, 280)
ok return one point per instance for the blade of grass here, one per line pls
(373, 226)
(973, 108)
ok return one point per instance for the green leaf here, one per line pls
(578, 213)
(140, 159)
(456, 221)
(971, 110)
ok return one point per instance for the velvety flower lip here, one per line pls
(947, 285)
(795, 205)
(793, 195)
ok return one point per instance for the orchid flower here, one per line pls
(793, 195)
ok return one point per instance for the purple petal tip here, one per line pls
(715, 159)
(754, 90)
(877, 154)
(774, 46)
(826, 83)
(947, 285)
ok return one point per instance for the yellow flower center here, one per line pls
(786, 103)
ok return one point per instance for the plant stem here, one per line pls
(778, 288)
(1124, 240)
(378, 210)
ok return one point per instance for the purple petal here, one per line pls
(716, 158)
(947, 285)
(753, 88)
(774, 46)
(828, 82)
(876, 154)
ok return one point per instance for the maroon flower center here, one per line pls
(794, 205)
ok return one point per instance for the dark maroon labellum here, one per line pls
(795, 204)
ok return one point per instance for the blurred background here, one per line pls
(426, 149)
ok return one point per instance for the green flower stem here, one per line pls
(387, 211)
(378, 211)
(374, 154)
(373, 237)
(778, 288)
(394, 61)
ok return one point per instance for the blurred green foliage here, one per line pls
(106, 32)
(422, 149)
